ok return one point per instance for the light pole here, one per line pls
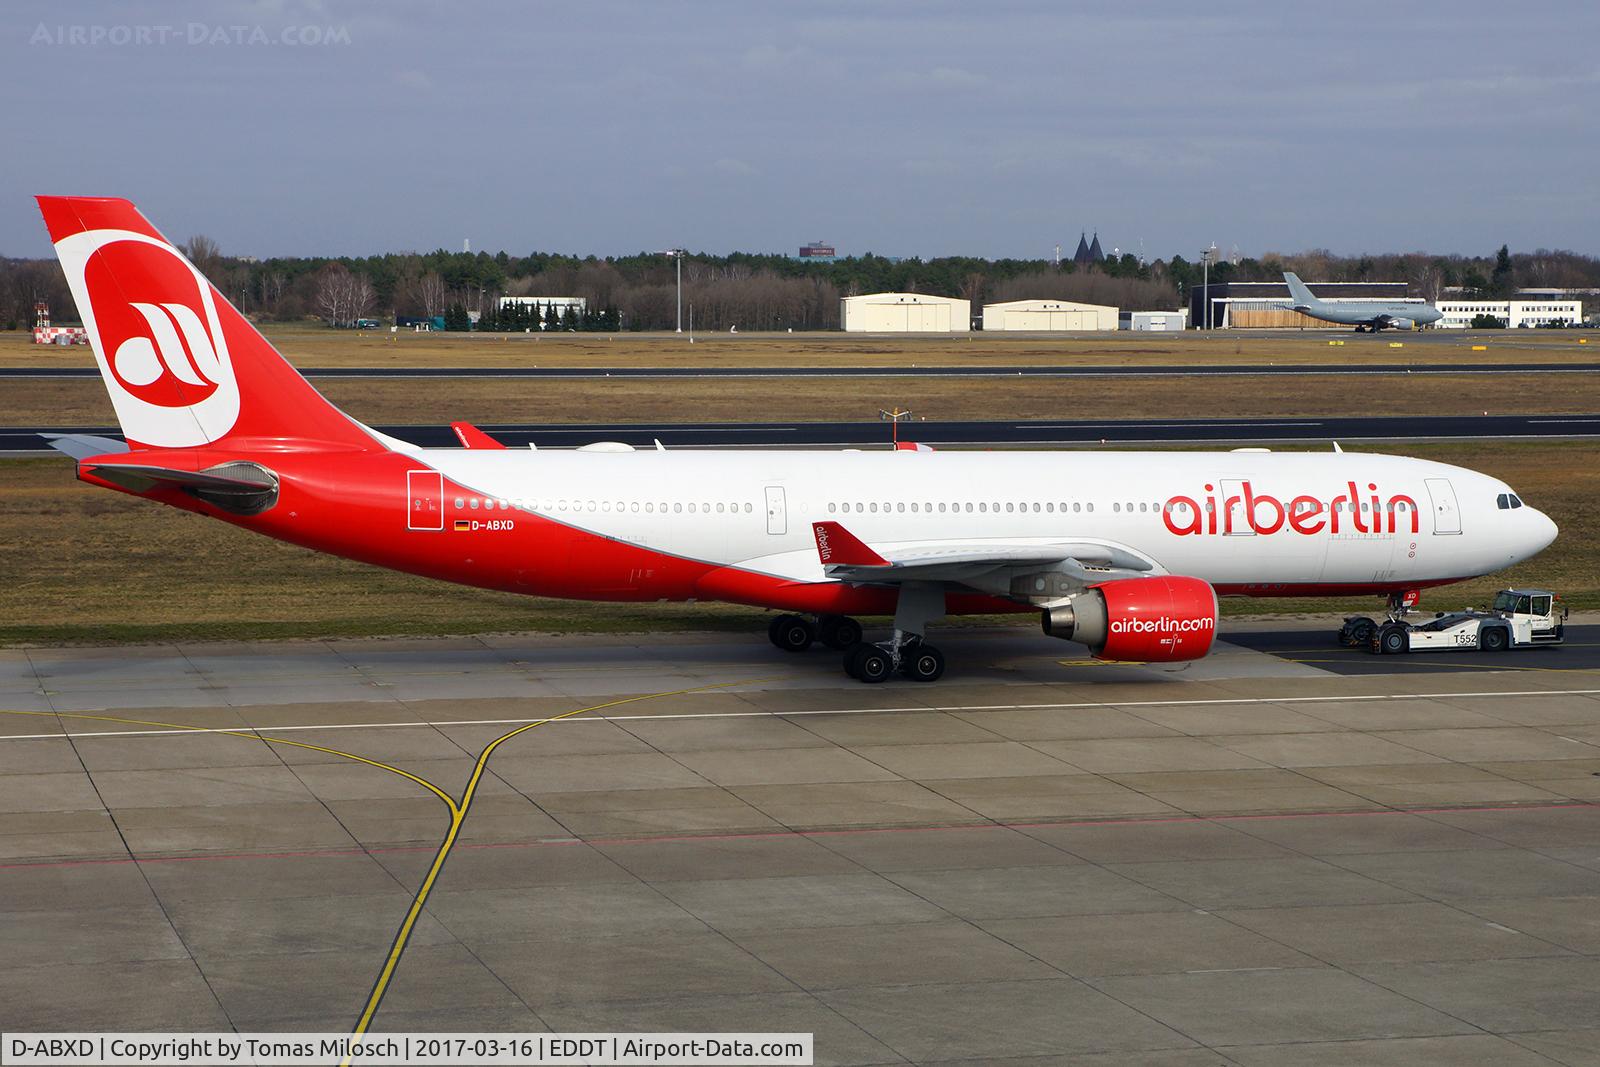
(677, 254)
(1208, 256)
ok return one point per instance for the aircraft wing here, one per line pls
(847, 558)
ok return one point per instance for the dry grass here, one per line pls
(315, 346)
(85, 564)
(409, 401)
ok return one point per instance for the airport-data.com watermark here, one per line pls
(191, 34)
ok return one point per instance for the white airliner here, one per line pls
(1125, 552)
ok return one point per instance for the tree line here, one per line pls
(751, 291)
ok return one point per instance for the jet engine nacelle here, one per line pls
(1155, 620)
(1403, 324)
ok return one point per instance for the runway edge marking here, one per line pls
(1209, 702)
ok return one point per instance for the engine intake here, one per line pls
(1154, 620)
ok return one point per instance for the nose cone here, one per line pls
(1541, 530)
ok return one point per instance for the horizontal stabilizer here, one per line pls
(838, 546)
(140, 478)
(83, 445)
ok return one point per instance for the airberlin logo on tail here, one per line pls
(158, 336)
(1246, 511)
(143, 361)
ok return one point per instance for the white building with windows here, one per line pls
(1517, 314)
(578, 304)
(1048, 315)
(904, 313)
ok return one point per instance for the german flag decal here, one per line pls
(463, 525)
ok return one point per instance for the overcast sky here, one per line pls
(991, 129)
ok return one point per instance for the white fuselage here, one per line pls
(1185, 512)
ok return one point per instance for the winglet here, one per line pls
(836, 545)
(472, 437)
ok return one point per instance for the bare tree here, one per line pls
(361, 296)
(972, 288)
(203, 252)
(335, 294)
(431, 294)
(269, 289)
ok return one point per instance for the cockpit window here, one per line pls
(1503, 501)
(1515, 501)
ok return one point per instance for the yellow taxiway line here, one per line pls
(458, 815)
(458, 809)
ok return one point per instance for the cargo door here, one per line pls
(1446, 513)
(425, 503)
(777, 511)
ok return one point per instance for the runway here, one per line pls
(1185, 370)
(1262, 859)
(1321, 430)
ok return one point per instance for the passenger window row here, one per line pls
(945, 507)
(649, 506)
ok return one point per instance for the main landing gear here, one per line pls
(907, 652)
(796, 633)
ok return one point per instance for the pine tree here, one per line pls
(1501, 280)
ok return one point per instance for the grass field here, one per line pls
(85, 564)
(320, 347)
(412, 401)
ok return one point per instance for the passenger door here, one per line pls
(777, 511)
(1446, 513)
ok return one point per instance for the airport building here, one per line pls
(1048, 315)
(577, 304)
(1265, 305)
(904, 313)
(1517, 314)
(1156, 321)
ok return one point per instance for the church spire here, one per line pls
(1081, 256)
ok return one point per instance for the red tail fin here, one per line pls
(184, 369)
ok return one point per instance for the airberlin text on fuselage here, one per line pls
(1263, 513)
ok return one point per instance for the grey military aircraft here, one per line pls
(1371, 315)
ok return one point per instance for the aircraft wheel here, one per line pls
(924, 663)
(791, 633)
(1357, 634)
(839, 631)
(869, 663)
(1392, 640)
(1494, 639)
